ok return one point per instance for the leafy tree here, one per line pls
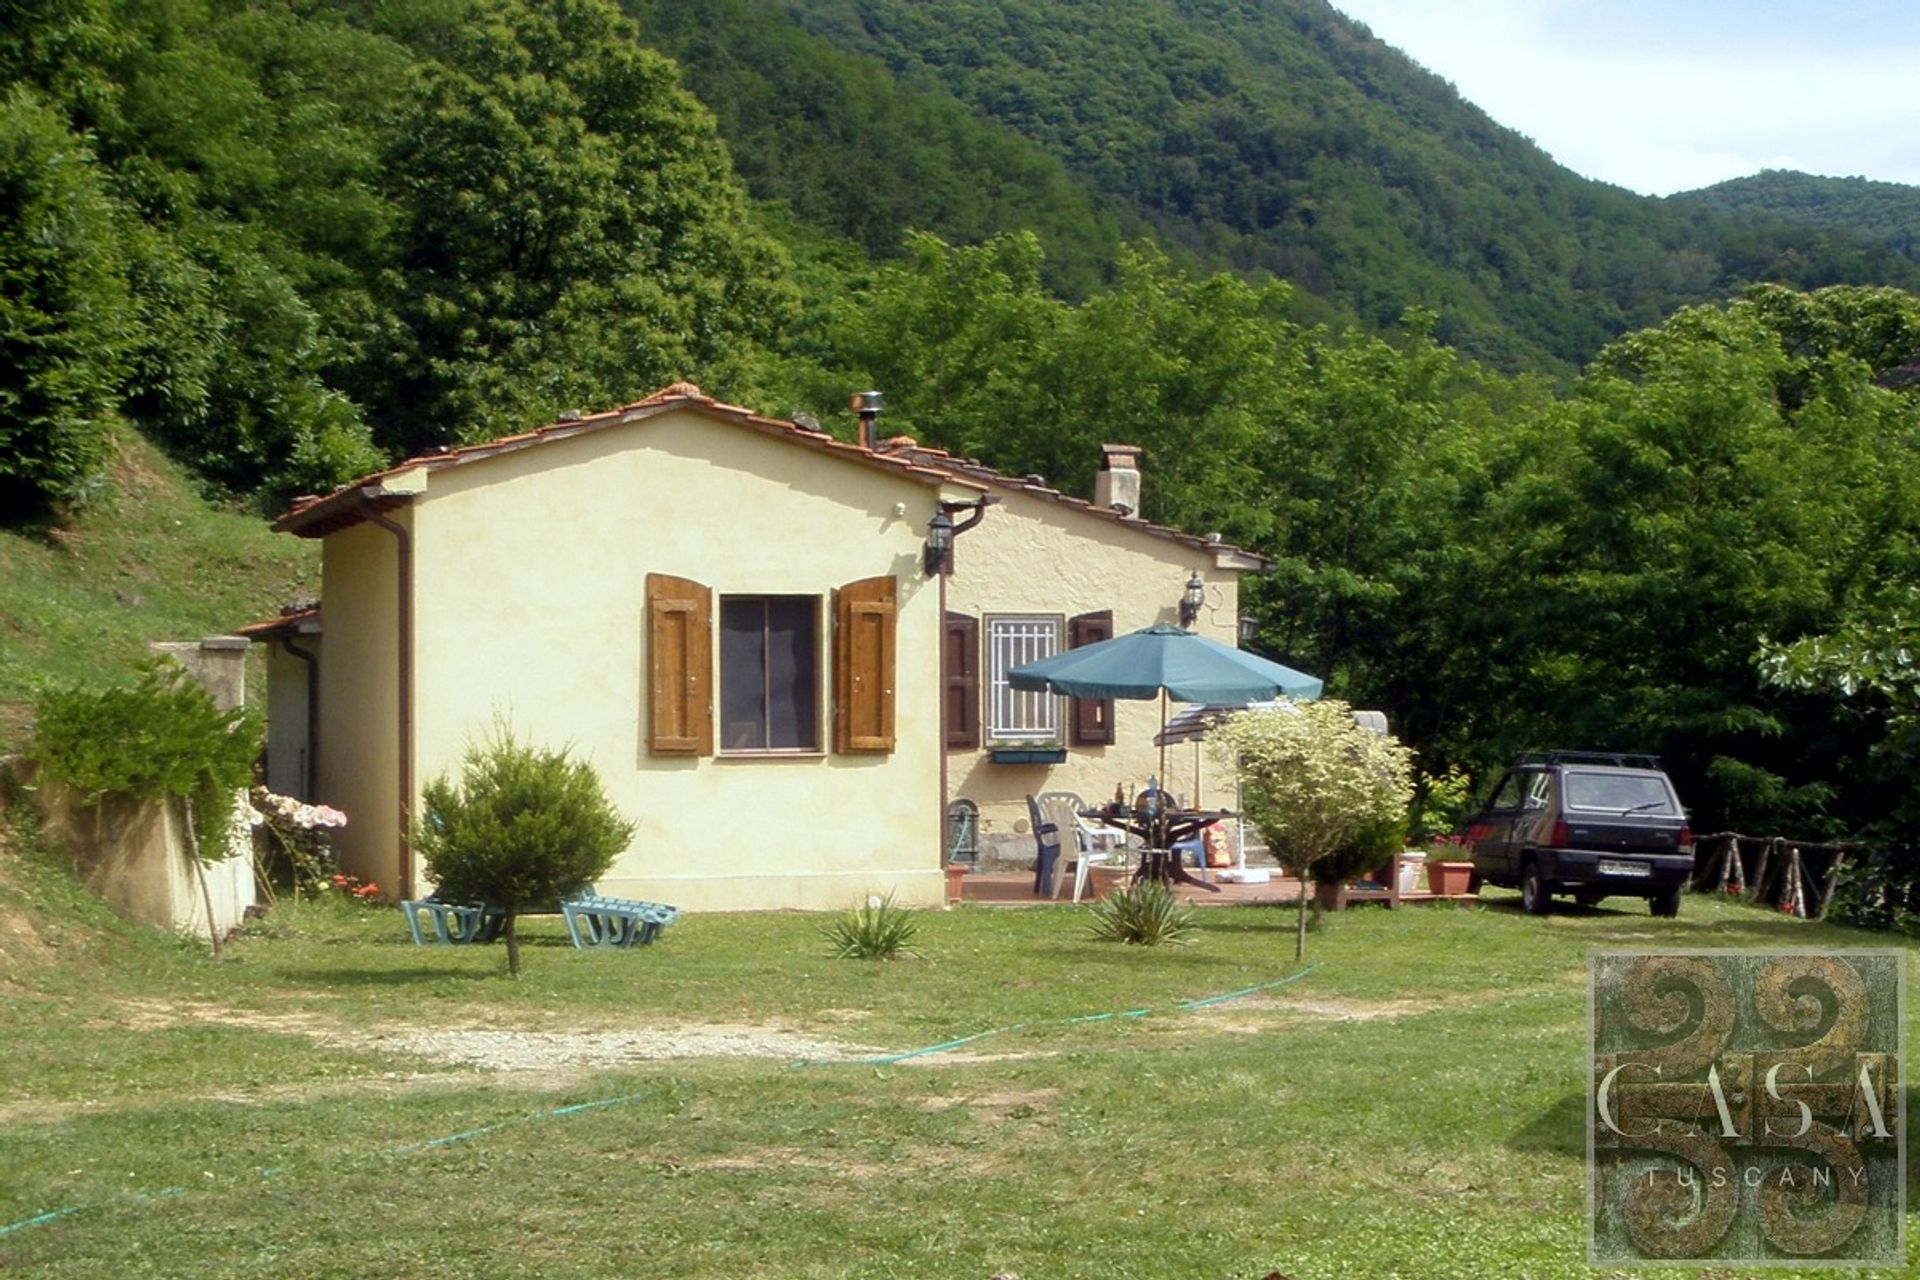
(573, 233)
(522, 828)
(63, 301)
(1729, 476)
(1314, 783)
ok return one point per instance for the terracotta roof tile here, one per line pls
(901, 454)
(286, 623)
(1036, 486)
(322, 515)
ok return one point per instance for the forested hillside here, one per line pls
(282, 240)
(1883, 213)
(1276, 135)
(1513, 495)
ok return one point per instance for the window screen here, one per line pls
(769, 673)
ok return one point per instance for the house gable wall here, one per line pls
(530, 611)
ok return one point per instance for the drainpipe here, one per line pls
(312, 660)
(940, 683)
(404, 549)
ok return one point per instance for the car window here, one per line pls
(1539, 789)
(1507, 794)
(1619, 792)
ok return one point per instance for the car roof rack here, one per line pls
(1618, 759)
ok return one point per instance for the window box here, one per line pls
(1034, 753)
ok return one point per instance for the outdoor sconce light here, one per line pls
(1249, 628)
(940, 543)
(1192, 600)
(941, 531)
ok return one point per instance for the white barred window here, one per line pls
(1013, 715)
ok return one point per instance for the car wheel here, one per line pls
(1666, 904)
(1534, 898)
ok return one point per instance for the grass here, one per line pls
(1411, 1108)
(148, 560)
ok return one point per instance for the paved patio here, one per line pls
(1012, 888)
(1015, 889)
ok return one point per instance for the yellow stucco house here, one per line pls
(737, 621)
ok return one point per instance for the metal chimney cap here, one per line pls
(865, 402)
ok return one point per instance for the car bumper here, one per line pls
(1582, 866)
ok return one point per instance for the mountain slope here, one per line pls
(1267, 135)
(1886, 213)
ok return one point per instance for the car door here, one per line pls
(1491, 832)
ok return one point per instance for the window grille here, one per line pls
(1012, 714)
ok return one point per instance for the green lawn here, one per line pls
(1410, 1108)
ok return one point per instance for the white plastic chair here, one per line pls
(1095, 843)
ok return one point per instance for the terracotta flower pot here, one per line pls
(1449, 877)
(956, 881)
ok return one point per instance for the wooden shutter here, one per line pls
(1089, 720)
(863, 626)
(960, 667)
(679, 667)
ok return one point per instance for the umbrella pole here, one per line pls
(1163, 738)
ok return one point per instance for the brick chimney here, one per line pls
(1117, 483)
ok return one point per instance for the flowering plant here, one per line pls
(353, 886)
(293, 841)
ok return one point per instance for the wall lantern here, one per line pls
(1192, 600)
(1249, 628)
(941, 531)
(939, 544)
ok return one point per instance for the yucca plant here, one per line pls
(1145, 914)
(877, 931)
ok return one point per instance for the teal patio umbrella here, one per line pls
(1164, 661)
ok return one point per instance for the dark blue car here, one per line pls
(1591, 824)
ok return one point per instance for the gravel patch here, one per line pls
(497, 1050)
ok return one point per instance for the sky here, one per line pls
(1661, 96)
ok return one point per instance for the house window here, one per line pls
(1014, 715)
(769, 673)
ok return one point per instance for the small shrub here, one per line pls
(877, 931)
(159, 739)
(523, 828)
(1144, 914)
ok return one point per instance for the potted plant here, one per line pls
(1449, 869)
(1028, 752)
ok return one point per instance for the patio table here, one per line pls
(1158, 833)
